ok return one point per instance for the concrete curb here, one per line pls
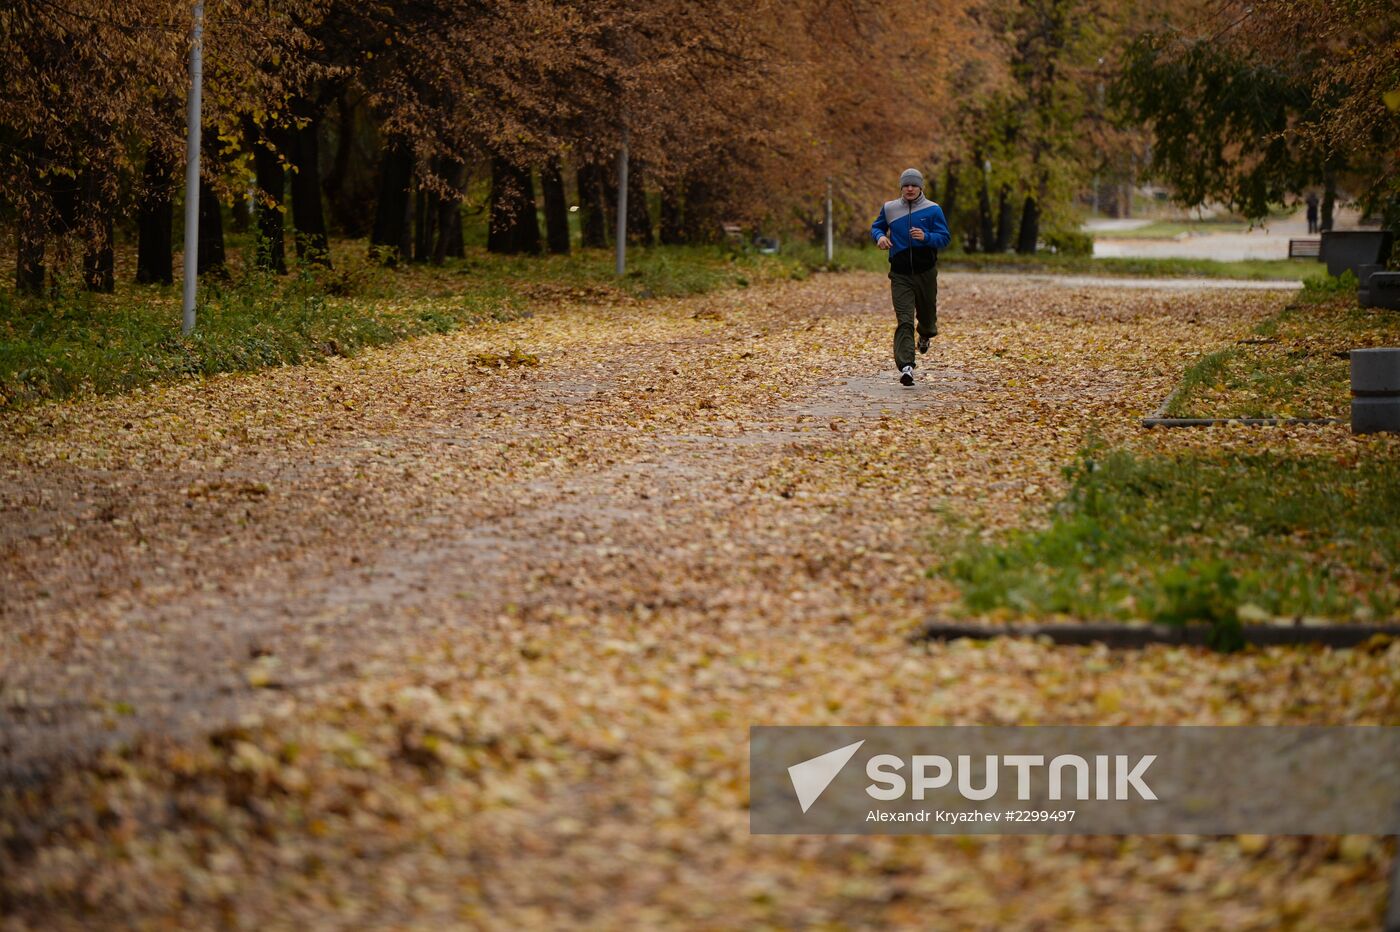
(1151, 422)
(1161, 412)
(1135, 636)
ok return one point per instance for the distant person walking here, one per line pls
(913, 229)
(1311, 201)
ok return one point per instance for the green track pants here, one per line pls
(915, 303)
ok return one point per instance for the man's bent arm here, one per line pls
(879, 228)
(939, 236)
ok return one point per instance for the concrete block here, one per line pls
(1363, 278)
(1382, 289)
(1375, 390)
(1351, 249)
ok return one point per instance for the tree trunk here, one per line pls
(1006, 218)
(29, 258)
(308, 218)
(99, 265)
(1030, 228)
(608, 174)
(701, 218)
(593, 207)
(556, 208)
(448, 219)
(155, 221)
(271, 184)
(241, 213)
(514, 227)
(346, 212)
(985, 235)
(950, 197)
(453, 244)
(211, 259)
(410, 221)
(1329, 201)
(31, 228)
(424, 224)
(950, 192)
(639, 230)
(395, 176)
(672, 222)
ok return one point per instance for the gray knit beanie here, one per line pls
(911, 176)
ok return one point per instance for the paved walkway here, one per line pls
(1267, 241)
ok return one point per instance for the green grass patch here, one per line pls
(1248, 269)
(74, 341)
(1221, 539)
(1294, 364)
(1210, 370)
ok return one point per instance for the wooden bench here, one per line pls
(1304, 248)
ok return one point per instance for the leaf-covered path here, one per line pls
(481, 642)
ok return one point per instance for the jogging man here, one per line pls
(913, 229)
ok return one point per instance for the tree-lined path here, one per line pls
(479, 622)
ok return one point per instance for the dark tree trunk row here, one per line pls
(1030, 227)
(155, 221)
(607, 173)
(211, 259)
(417, 225)
(995, 233)
(639, 231)
(425, 227)
(448, 218)
(1006, 218)
(556, 208)
(701, 221)
(514, 227)
(29, 259)
(346, 185)
(950, 191)
(390, 237)
(99, 261)
(271, 183)
(672, 219)
(425, 205)
(593, 206)
(154, 252)
(308, 219)
(985, 234)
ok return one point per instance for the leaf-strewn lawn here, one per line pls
(1225, 538)
(1293, 364)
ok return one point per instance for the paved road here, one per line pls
(1267, 241)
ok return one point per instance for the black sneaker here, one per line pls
(923, 344)
(906, 376)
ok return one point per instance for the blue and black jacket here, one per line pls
(897, 218)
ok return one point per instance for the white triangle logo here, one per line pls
(811, 777)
